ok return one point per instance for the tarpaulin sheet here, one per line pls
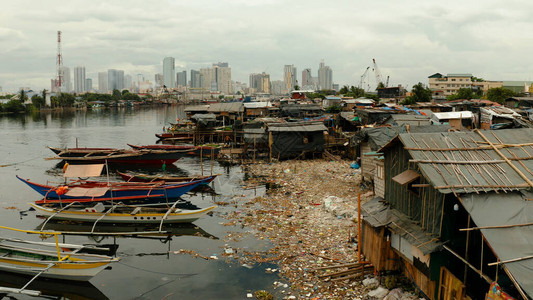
(493, 209)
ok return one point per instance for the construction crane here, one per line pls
(362, 78)
(378, 74)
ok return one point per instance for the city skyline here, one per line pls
(409, 40)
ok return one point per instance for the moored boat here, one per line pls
(120, 213)
(140, 177)
(88, 191)
(57, 263)
(113, 155)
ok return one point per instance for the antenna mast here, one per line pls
(59, 63)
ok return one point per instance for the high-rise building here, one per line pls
(289, 78)
(159, 80)
(223, 77)
(308, 82)
(209, 79)
(325, 77)
(66, 82)
(79, 79)
(255, 82)
(181, 78)
(102, 82)
(88, 84)
(278, 87)
(128, 82)
(169, 79)
(115, 79)
(260, 83)
(196, 79)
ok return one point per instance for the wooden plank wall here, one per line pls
(377, 249)
(422, 281)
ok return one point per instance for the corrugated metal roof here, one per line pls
(297, 126)
(196, 108)
(464, 162)
(257, 104)
(234, 107)
(453, 115)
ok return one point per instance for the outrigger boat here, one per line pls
(120, 213)
(113, 155)
(88, 191)
(57, 263)
(140, 177)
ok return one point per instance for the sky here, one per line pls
(410, 40)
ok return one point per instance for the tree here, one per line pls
(499, 94)
(462, 93)
(380, 85)
(22, 96)
(37, 101)
(117, 95)
(296, 87)
(421, 93)
(476, 79)
(14, 106)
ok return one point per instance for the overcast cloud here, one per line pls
(410, 40)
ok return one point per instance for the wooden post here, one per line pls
(466, 249)
(202, 161)
(270, 144)
(255, 150)
(212, 159)
(359, 239)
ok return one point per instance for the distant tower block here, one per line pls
(59, 64)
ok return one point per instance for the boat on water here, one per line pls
(120, 213)
(205, 150)
(49, 260)
(114, 155)
(89, 191)
(141, 177)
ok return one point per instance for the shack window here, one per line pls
(407, 179)
(379, 172)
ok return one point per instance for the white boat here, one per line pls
(58, 263)
(120, 213)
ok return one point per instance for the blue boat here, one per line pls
(90, 191)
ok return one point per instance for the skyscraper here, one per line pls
(79, 79)
(325, 77)
(88, 84)
(307, 80)
(102, 82)
(115, 79)
(223, 77)
(196, 79)
(181, 78)
(159, 79)
(66, 83)
(169, 79)
(289, 78)
(260, 82)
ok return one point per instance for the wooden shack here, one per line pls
(456, 211)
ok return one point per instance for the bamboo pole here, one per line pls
(202, 161)
(524, 296)
(510, 260)
(487, 278)
(496, 227)
(359, 239)
(466, 248)
(459, 162)
(526, 179)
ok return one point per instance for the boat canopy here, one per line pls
(94, 170)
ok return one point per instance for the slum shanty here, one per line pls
(443, 190)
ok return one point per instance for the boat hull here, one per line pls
(148, 217)
(118, 156)
(77, 267)
(151, 178)
(119, 191)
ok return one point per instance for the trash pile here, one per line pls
(310, 217)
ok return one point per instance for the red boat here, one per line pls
(192, 150)
(112, 155)
(139, 177)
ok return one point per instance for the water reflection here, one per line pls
(54, 289)
(149, 231)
